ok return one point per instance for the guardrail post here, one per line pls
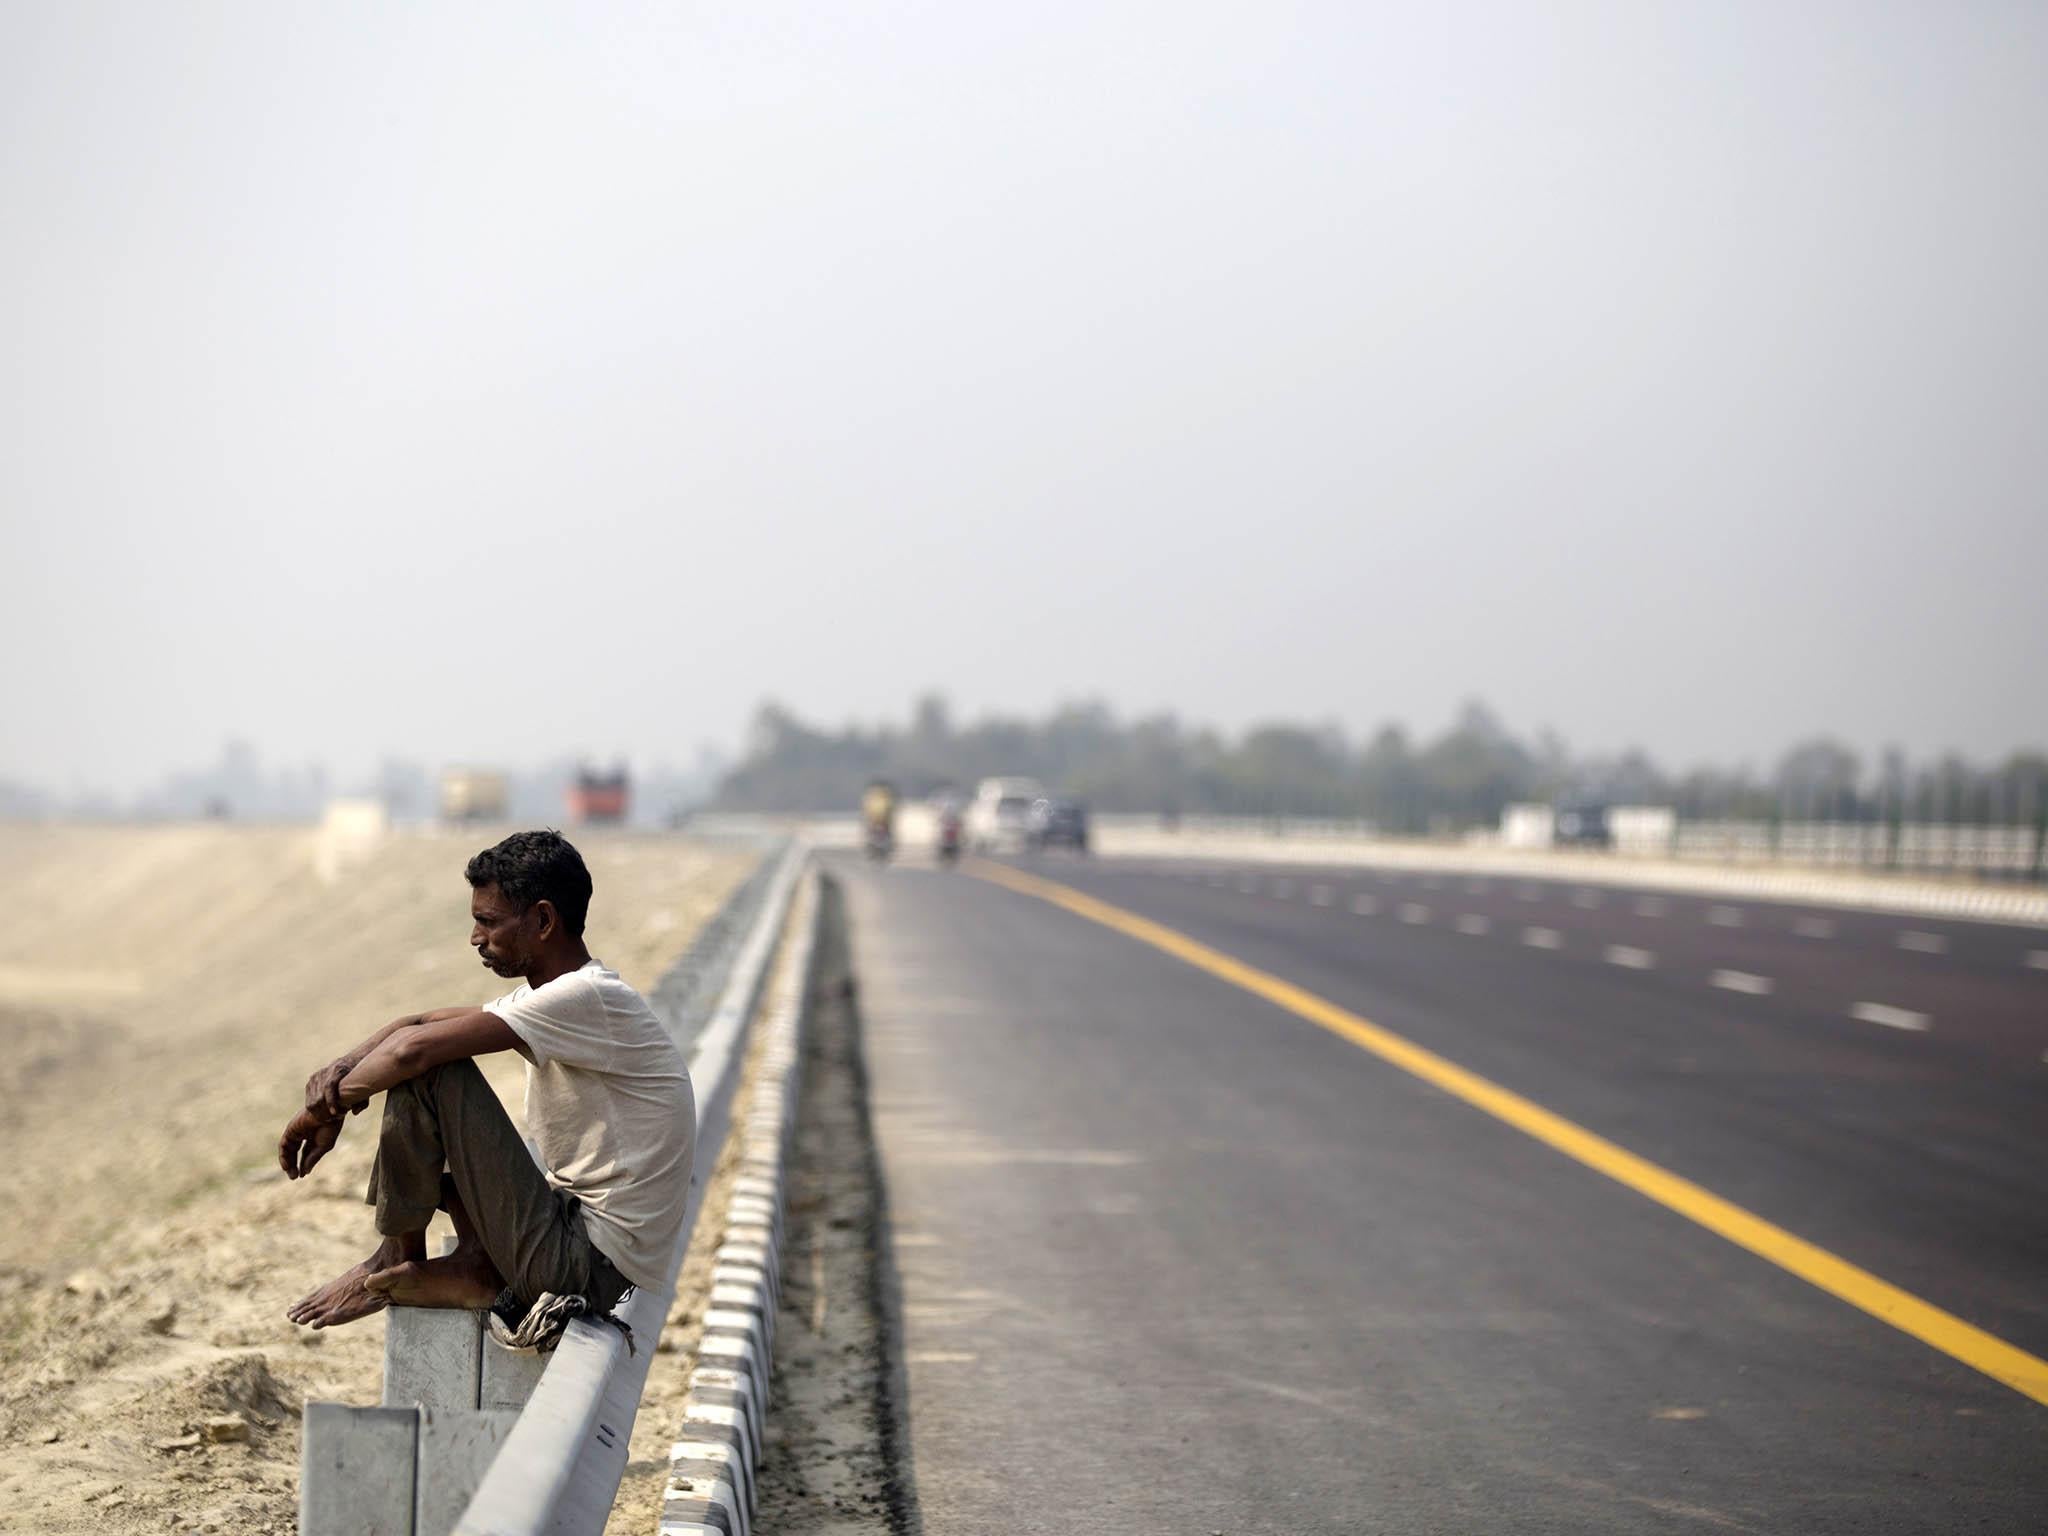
(455, 1449)
(358, 1470)
(433, 1358)
(509, 1376)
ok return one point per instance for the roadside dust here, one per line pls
(164, 993)
(830, 1467)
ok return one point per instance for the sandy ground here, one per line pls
(163, 994)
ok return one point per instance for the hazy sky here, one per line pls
(490, 382)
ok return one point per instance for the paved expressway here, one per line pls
(1249, 1199)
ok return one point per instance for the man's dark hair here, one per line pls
(536, 866)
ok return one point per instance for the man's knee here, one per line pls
(464, 1073)
(423, 1106)
(437, 1085)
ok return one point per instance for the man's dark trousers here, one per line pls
(449, 1118)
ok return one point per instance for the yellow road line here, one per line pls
(1981, 1351)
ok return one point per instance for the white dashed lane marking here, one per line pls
(1922, 943)
(1741, 981)
(1914, 940)
(1890, 1017)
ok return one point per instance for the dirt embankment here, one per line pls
(163, 994)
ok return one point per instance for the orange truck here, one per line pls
(599, 796)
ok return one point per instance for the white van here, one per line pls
(1000, 815)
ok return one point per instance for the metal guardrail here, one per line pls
(559, 1469)
(686, 997)
(478, 1439)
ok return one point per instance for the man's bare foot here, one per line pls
(346, 1298)
(463, 1279)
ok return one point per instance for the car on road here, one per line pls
(1058, 824)
(1582, 824)
(1000, 816)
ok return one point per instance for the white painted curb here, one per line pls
(717, 1451)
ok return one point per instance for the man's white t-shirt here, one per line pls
(609, 1105)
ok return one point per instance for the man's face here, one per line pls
(504, 934)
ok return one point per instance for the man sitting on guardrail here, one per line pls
(608, 1102)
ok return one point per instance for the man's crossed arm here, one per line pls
(401, 1050)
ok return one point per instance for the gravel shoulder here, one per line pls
(832, 1465)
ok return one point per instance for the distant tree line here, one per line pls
(1461, 778)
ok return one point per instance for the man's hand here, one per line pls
(309, 1137)
(323, 1088)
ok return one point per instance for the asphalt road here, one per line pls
(1174, 1259)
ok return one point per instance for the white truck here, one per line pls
(472, 794)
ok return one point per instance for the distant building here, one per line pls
(599, 796)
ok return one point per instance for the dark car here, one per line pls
(1582, 824)
(1057, 823)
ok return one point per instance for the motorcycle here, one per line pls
(949, 837)
(880, 841)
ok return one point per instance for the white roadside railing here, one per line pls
(478, 1440)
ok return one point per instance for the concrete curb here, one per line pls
(717, 1452)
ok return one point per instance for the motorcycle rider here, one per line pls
(878, 818)
(950, 829)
